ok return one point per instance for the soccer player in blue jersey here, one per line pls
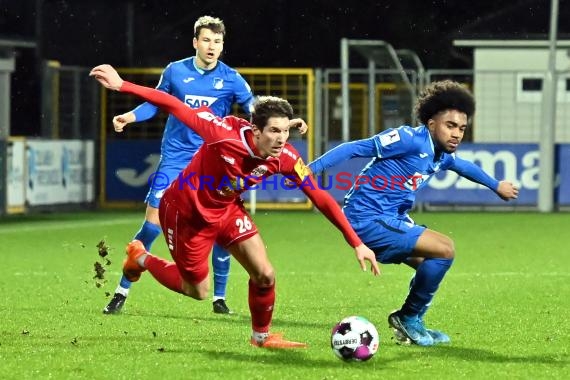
(402, 161)
(202, 80)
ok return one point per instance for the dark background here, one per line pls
(278, 33)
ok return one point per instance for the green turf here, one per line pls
(505, 304)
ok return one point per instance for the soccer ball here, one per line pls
(354, 339)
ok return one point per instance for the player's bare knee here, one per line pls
(201, 295)
(264, 279)
(197, 292)
(151, 215)
(448, 249)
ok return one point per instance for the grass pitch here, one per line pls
(505, 303)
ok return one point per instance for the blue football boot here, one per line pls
(411, 327)
(438, 336)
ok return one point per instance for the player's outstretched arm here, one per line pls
(344, 152)
(504, 189)
(507, 191)
(109, 78)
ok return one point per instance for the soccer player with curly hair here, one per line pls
(409, 157)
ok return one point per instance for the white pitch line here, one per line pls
(43, 226)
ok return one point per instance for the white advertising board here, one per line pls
(15, 172)
(59, 171)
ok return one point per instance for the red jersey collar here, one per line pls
(246, 134)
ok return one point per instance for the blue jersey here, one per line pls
(217, 89)
(403, 161)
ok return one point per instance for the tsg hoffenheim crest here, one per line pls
(218, 83)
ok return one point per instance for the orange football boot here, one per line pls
(131, 268)
(276, 341)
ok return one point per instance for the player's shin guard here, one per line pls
(261, 301)
(147, 235)
(221, 269)
(165, 272)
(428, 276)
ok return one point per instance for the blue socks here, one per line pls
(424, 284)
(221, 269)
(426, 307)
(147, 235)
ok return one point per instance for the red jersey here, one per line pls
(228, 163)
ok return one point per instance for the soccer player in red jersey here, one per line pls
(203, 205)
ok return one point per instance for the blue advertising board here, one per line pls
(563, 175)
(518, 163)
(130, 163)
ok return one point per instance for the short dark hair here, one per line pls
(265, 107)
(215, 24)
(441, 96)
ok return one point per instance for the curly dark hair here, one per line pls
(441, 96)
(265, 107)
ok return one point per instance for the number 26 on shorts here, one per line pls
(243, 224)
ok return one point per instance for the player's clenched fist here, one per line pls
(120, 121)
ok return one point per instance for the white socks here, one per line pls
(122, 291)
(259, 337)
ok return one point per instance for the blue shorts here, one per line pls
(159, 181)
(391, 239)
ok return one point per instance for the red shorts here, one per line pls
(190, 238)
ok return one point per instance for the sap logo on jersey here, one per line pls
(195, 101)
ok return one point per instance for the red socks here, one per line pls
(165, 272)
(261, 301)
